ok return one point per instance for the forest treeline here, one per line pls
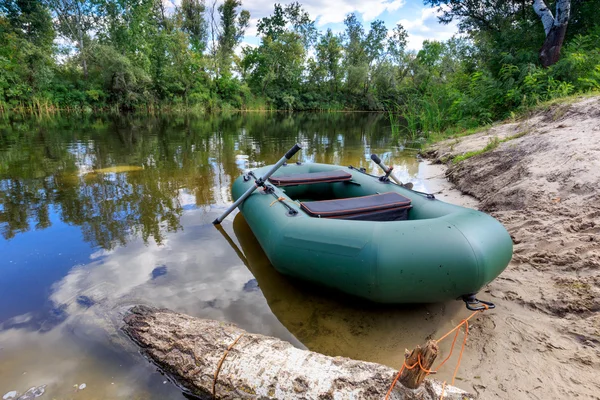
(141, 54)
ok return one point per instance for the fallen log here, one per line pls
(208, 358)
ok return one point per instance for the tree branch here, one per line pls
(542, 10)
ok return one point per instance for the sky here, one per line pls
(420, 21)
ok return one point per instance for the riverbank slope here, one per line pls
(540, 177)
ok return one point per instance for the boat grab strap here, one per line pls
(355, 205)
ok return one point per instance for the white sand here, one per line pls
(543, 341)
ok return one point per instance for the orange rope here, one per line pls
(462, 349)
(275, 201)
(387, 396)
(214, 385)
(456, 329)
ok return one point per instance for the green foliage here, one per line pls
(142, 55)
(233, 27)
(448, 92)
(193, 23)
(274, 69)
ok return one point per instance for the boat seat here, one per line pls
(311, 178)
(389, 206)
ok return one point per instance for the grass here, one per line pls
(557, 107)
(455, 133)
(492, 144)
(568, 100)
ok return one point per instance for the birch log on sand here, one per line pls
(190, 350)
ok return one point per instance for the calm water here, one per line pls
(100, 213)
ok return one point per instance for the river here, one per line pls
(98, 213)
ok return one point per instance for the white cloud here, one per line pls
(326, 12)
(427, 27)
(423, 27)
(252, 30)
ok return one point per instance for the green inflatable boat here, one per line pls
(364, 235)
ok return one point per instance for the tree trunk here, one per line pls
(84, 65)
(205, 357)
(555, 27)
(550, 51)
(82, 55)
(80, 37)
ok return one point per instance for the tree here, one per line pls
(233, 27)
(355, 58)
(329, 54)
(129, 28)
(375, 41)
(76, 19)
(355, 51)
(26, 48)
(276, 67)
(273, 25)
(555, 27)
(500, 18)
(31, 20)
(397, 43)
(194, 24)
(363, 51)
(289, 18)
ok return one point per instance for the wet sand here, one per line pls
(542, 183)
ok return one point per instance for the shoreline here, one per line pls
(451, 133)
(542, 183)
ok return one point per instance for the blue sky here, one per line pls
(420, 21)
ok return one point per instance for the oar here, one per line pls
(260, 182)
(388, 172)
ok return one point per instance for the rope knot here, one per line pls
(456, 329)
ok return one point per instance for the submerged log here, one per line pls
(205, 356)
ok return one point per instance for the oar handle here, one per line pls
(388, 171)
(291, 152)
(258, 183)
(376, 159)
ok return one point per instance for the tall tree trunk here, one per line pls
(81, 45)
(82, 55)
(555, 27)
(550, 51)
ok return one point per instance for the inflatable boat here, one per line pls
(367, 236)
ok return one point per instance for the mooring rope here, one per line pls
(464, 322)
(214, 385)
(276, 200)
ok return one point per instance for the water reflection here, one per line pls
(99, 213)
(336, 324)
(69, 166)
(193, 271)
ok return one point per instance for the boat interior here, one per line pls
(333, 194)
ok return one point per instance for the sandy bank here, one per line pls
(543, 183)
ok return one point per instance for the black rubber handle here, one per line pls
(375, 158)
(292, 151)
